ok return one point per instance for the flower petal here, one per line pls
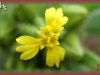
(59, 13)
(30, 53)
(41, 47)
(23, 48)
(62, 21)
(57, 59)
(57, 43)
(50, 57)
(50, 15)
(26, 40)
(60, 51)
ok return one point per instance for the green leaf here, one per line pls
(73, 48)
(76, 13)
(92, 23)
(39, 22)
(28, 29)
(91, 6)
(90, 59)
(24, 13)
(6, 32)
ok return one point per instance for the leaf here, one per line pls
(73, 47)
(75, 13)
(28, 29)
(92, 23)
(90, 59)
(24, 13)
(92, 6)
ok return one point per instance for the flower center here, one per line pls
(44, 41)
(55, 31)
(47, 33)
(53, 39)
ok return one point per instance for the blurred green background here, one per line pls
(80, 38)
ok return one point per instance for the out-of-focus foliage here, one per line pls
(93, 22)
(26, 19)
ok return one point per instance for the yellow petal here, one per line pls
(50, 15)
(60, 51)
(42, 46)
(30, 53)
(59, 13)
(62, 21)
(26, 40)
(57, 59)
(50, 57)
(23, 48)
(57, 43)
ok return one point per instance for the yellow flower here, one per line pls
(46, 31)
(53, 41)
(51, 30)
(48, 42)
(54, 55)
(43, 42)
(29, 47)
(53, 15)
(56, 29)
